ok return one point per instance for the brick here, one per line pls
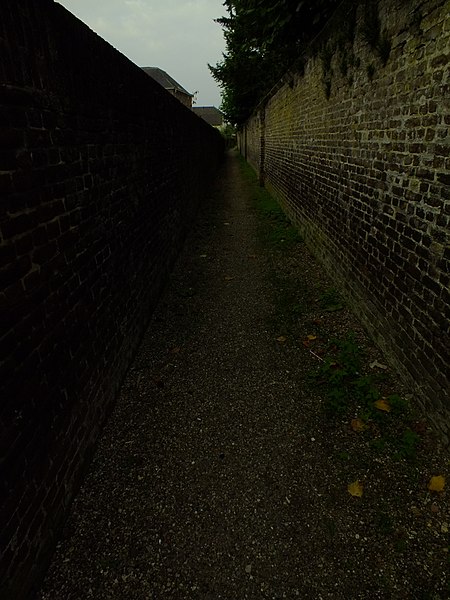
(16, 225)
(444, 178)
(11, 138)
(306, 159)
(83, 226)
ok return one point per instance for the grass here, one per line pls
(390, 450)
(348, 391)
(278, 236)
(275, 231)
(347, 388)
(331, 301)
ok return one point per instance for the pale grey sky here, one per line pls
(178, 36)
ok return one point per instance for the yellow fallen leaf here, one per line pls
(358, 425)
(437, 483)
(281, 339)
(355, 488)
(228, 278)
(311, 338)
(382, 404)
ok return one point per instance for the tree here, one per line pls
(263, 39)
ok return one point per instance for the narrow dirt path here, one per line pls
(212, 479)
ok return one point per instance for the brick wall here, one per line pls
(101, 171)
(358, 154)
(252, 144)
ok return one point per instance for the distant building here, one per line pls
(211, 115)
(170, 85)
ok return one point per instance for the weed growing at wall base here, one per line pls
(349, 391)
(275, 231)
(277, 235)
(355, 420)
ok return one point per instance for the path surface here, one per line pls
(211, 480)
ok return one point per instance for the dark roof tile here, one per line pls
(210, 114)
(165, 79)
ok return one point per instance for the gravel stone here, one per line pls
(216, 476)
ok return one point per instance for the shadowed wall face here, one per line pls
(101, 172)
(358, 153)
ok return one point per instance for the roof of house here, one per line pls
(210, 114)
(165, 79)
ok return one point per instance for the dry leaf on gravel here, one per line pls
(358, 425)
(355, 489)
(383, 405)
(436, 483)
(281, 339)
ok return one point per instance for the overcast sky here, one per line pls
(178, 36)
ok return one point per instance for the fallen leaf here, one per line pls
(382, 404)
(434, 508)
(306, 343)
(317, 321)
(281, 339)
(252, 256)
(355, 489)
(311, 338)
(358, 425)
(376, 365)
(203, 255)
(228, 278)
(175, 350)
(437, 483)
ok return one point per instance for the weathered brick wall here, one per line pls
(366, 176)
(253, 142)
(101, 171)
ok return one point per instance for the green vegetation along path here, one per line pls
(223, 472)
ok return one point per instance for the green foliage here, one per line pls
(399, 406)
(229, 134)
(349, 391)
(275, 230)
(343, 65)
(384, 48)
(371, 29)
(277, 234)
(337, 372)
(331, 301)
(406, 444)
(264, 38)
(378, 40)
(364, 389)
(326, 56)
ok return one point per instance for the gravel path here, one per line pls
(212, 479)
